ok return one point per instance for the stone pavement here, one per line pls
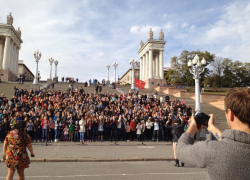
(101, 151)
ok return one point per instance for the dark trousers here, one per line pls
(133, 135)
(157, 134)
(89, 134)
(113, 134)
(36, 135)
(121, 134)
(106, 133)
(51, 134)
(148, 134)
(95, 135)
(31, 133)
(127, 135)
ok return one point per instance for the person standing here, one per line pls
(51, 129)
(133, 129)
(178, 130)
(138, 131)
(71, 131)
(82, 124)
(45, 126)
(14, 149)
(37, 129)
(30, 128)
(76, 133)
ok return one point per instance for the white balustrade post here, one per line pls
(37, 56)
(51, 60)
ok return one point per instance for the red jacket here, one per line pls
(133, 126)
(45, 122)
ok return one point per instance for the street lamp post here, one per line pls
(133, 62)
(115, 66)
(196, 67)
(108, 66)
(37, 56)
(56, 63)
(51, 60)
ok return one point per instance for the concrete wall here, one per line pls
(7, 75)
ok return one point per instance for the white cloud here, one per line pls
(144, 29)
(231, 32)
(183, 25)
(168, 26)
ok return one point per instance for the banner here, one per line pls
(140, 84)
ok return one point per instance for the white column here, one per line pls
(10, 55)
(157, 65)
(1, 54)
(14, 59)
(150, 66)
(147, 63)
(144, 67)
(161, 68)
(17, 60)
(141, 64)
(6, 52)
(153, 66)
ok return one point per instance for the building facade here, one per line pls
(10, 44)
(127, 76)
(23, 69)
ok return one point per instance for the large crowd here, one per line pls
(76, 115)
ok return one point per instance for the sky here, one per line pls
(86, 35)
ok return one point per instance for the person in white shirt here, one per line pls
(82, 124)
(156, 130)
(138, 131)
(149, 125)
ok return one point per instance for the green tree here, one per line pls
(180, 69)
(228, 75)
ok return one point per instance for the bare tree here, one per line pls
(218, 69)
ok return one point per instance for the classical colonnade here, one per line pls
(151, 65)
(9, 53)
(151, 57)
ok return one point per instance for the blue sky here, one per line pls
(86, 35)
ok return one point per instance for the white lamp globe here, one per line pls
(203, 62)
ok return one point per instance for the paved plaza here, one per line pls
(105, 160)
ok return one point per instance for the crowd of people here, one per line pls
(76, 115)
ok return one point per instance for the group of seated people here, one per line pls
(81, 116)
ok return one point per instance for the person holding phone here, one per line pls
(14, 149)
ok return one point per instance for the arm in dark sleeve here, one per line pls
(190, 153)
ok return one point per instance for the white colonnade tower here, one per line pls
(10, 44)
(151, 60)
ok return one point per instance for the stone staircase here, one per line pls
(63, 86)
(8, 87)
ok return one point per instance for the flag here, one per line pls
(140, 84)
